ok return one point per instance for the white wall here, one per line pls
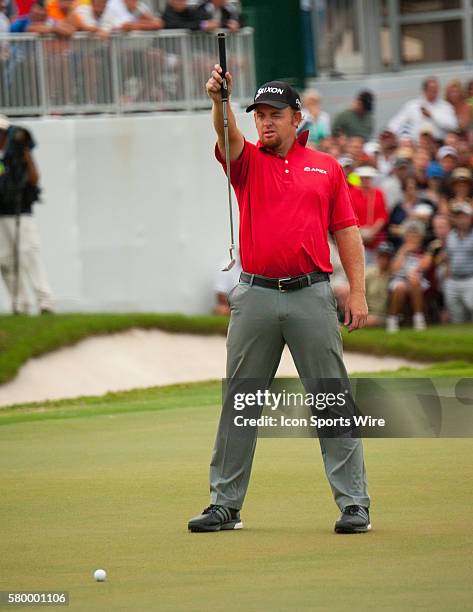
(135, 213)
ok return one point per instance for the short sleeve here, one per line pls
(382, 212)
(239, 167)
(20, 25)
(342, 213)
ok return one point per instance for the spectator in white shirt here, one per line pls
(387, 155)
(129, 15)
(428, 109)
(90, 18)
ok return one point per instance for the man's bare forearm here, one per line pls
(235, 137)
(350, 249)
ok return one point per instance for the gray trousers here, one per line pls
(458, 294)
(262, 321)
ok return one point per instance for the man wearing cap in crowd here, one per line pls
(434, 175)
(392, 184)
(289, 198)
(428, 109)
(371, 211)
(357, 120)
(376, 283)
(31, 272)
(437, 271)
(458, 285)
(447, 158)
(427, 140)
(460, 184)
(387, 154)
(348, 165)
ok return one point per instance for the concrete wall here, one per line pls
(391, 90)
(135, 213)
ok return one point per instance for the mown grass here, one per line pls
(437, 343)
(116, 491)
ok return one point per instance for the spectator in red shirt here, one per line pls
(23, 7)
(371, 211)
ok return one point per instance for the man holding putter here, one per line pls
(289, 198)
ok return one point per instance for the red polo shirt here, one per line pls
(287, 207)
(369, 206)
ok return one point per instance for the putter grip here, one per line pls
(222, 50)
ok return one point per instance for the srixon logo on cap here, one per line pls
(263, 90)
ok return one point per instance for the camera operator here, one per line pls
(20, 262)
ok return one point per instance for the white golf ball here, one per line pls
(100, 575)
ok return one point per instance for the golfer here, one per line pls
(289, 198)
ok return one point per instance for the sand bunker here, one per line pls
(139, 358)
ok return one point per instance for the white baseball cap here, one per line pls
(4, 122)
(346, 161)
(371, 148)
(462, 207)
(366, 172)
(445, 151)
(423, 210)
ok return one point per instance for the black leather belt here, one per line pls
(284, 284)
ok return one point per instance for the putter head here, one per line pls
(232, 260)
(229, 267)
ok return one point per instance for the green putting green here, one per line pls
(110, 483)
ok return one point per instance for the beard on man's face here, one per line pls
(273, 141)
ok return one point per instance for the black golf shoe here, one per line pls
(354, 519)
(216, 518)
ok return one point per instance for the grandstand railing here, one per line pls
(139, 71)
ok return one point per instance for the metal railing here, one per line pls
(142, 71)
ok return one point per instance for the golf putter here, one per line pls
(223, 63)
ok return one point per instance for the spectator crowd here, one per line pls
(412, 187)
(65, 17)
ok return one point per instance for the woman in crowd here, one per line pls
(455, 95)
(314, 118)
(456, 188)
(461, 183)
(434, 175)
(408, 281)
(411, 207)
